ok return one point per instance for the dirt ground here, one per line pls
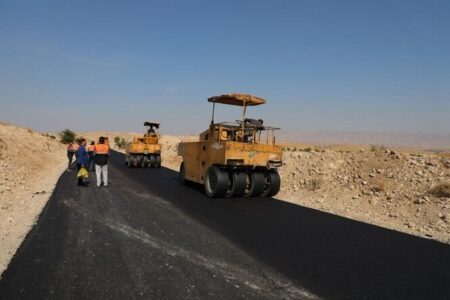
(404, 190)
(30, 165)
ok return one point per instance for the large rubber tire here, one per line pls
(237, 184)
(182, 174)
(158, 161)
(152, 161)
(216, 182)
(254, 184)
(272, 183)
(138, 161)
(145, 162)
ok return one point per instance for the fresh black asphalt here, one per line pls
(148, 237)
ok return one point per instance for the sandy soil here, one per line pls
(30, 165)
(405, 190)
(388, 188)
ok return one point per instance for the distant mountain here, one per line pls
(398, 139)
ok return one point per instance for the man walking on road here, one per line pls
(101, 153)
(70, 153)
(90, 150)
(82, 158)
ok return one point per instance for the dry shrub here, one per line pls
(444, 154)
(378, 186)
(67, 136)
(441, 190)
(377, 148)
(315, 184)
(3, 145)
(120, 142)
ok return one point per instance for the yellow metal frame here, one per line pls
(147, 144)
(213, 150)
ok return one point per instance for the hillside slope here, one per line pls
(404, 191)
(30, 165)
(390, 188)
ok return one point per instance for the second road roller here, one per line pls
(145, 151)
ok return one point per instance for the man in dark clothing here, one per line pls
(101, 154)
(70, 153)
(90, 150)
(82, 158)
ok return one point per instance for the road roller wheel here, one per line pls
(254, 184)
(272, 183)
(145, 162)
(216, 182)
(237, 184)
(158, 161)
(136, 161)
(182, 174)
(131, 162)
(152, 161)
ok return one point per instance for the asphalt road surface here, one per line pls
(148, 237)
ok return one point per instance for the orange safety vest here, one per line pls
(91, 148)
(101, 149)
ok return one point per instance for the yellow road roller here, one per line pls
(145, 151)
(234, 159)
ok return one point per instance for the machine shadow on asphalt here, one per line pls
(330, 255)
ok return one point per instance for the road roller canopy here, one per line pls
(237, 99)
(152, 124)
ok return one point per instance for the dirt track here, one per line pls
(146, 237)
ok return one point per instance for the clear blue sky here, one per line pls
(323, 65)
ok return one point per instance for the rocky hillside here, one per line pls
(404, 191)
(30, 165)
(407, 191)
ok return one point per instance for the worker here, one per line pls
(90, 150)
(82, 158)
(257, 124)
(101, 154)
(70, 153)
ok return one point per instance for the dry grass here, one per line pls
(441, 190)
(3, 145)
(444, 154)
(379, 186)
(377, 148)
(315, 184)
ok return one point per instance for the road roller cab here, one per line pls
(145, 151)
(234, 159)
